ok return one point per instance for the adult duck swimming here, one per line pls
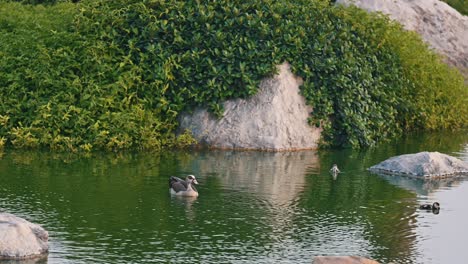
(186, 187)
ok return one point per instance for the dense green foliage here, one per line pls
(460, 5)
(61, 91)
(116, 74)
(37, 2)
(40, 2)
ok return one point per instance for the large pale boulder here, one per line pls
(342, 260)
(423, 164)
(20, 239)
(441, 26)
(275, 119)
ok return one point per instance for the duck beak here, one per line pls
(195, 181)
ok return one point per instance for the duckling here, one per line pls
(435, 206)
(334, 170)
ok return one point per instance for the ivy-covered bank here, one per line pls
(116, 74)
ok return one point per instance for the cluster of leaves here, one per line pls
(40, 2)
(117, 74)
(460, 5)
(380, 81)
(62, 91)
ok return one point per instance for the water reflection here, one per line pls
(423, 187)
(463, 153)
(253, 207)
(438, 235)
(280, 177)
(186, 202)
(309, 212)
(37, 260)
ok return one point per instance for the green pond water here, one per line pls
(254, 207)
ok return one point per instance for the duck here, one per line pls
(186, 187)
(334, 170)
(435, 206)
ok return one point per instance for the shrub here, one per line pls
(460, 5)
(116, 74)
(62, 92)
(40, 2)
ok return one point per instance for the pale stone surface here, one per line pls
(342, 260)
(275, 119)
(20, 239)
(443, 27)
(423, 164)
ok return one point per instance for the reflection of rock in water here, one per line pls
(279, 175)
(36, 260)
(342, 260)
(270, 185)
(422, 186)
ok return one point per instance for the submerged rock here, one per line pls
(275, 119)
(440, 25)
(342, 260)
(20, 239)
(423, 164)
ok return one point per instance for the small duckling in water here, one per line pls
(435, 206)
(334, 170)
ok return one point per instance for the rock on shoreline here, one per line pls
(440, 25)
(422, 165)
(20, 239)
(275, 119)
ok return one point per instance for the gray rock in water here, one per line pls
(441, 26)
(275, 119)
(423, 164)
(342, 260)
(20, 239)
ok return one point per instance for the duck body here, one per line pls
(186, 187)
(334, 170)
(434, 206)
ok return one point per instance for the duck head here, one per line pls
(334, 169)
(191, 179)
(435, 206)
